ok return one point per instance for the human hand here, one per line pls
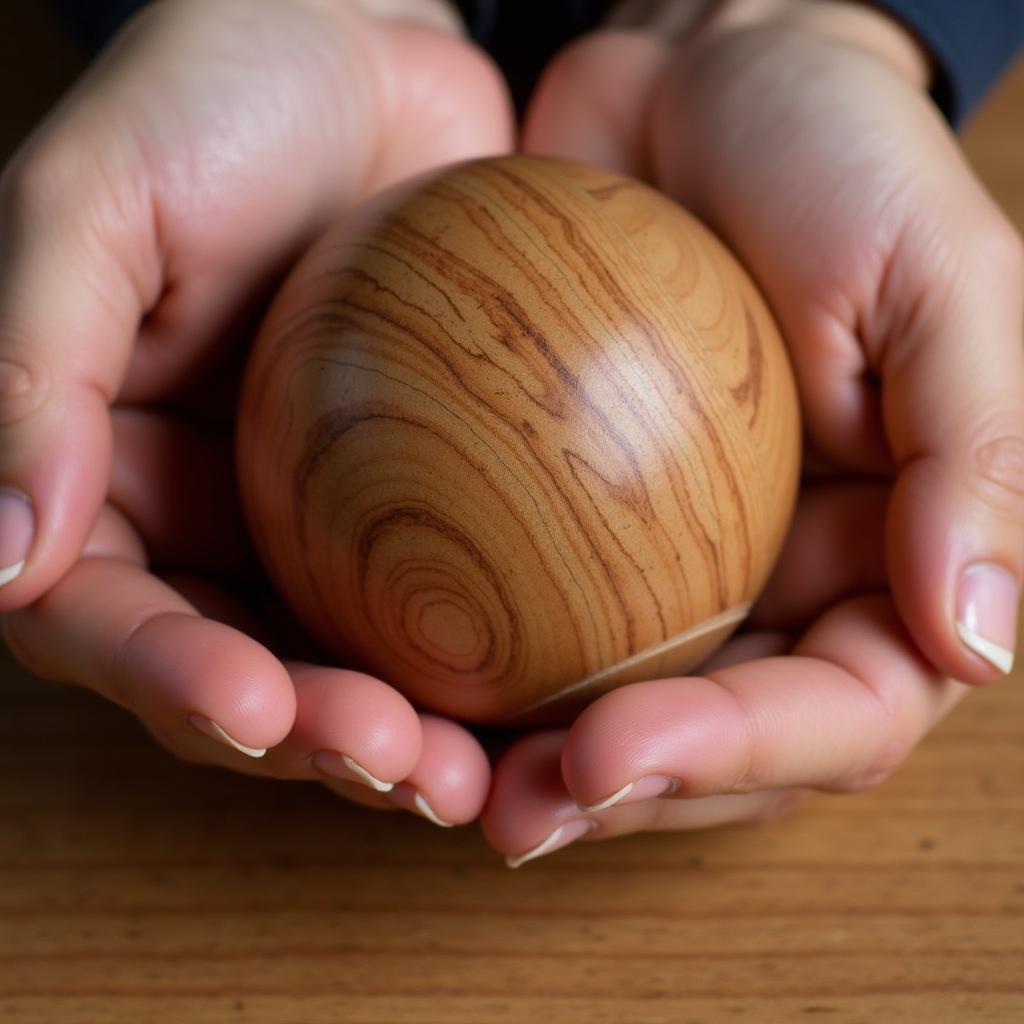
(142, 226)
(802, 133)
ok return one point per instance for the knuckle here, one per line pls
(38, 176)
(889, 757)
(24, 381)
(88, 193)
(755, 767)
(997, 465)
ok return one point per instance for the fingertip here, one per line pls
(986, 612)
(955, 575)
(199, 671)
(357, 727)
(217, 732)
(580, 113)
(55, 468)
(451, 779)
(17, 529)
(603, 754)
(527, 793)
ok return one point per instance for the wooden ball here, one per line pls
(524, 433)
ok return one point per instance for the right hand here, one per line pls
(141, 227)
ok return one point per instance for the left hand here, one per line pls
(801, 131)
(143, 228)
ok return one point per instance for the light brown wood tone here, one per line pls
(526, 434)
(135, 889)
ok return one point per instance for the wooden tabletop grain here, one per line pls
(134, 888)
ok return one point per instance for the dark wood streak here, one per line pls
(330, 428)
(426, 519)
(638, 318)
(475, 281)
(608, 191)
(749, 392)
(573, 461)
(483, 441)
(590, 259)
(419, 275)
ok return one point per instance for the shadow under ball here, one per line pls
(523, 434)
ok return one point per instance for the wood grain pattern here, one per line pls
(135, 889)
(526, 434)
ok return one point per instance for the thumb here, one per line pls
(580, 112)
(953, 404)
(69, 311)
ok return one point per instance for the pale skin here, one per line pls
(215, 140)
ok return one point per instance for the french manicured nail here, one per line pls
(561, 837)
(413, 800)
(215, 732)
(17, 528)
(986, 613)
(341, 766)
(646, 788)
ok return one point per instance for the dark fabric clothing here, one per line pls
(92, 22)
(972, 41)
(523, 35)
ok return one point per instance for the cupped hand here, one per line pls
(823, 690)
(142, 227)
(802, 132)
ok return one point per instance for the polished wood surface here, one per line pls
(525, 435)
(136, 889)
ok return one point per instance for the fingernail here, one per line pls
(341, 766)
(646, 788)
(986, 613)
(215, 732)
(17, 527)
(413, 800)
(562, 836)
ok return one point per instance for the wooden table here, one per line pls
(134, 888)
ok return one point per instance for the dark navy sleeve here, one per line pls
(92, 22)
(972, 42)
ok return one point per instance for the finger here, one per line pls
(529, 810)
(448, 784)
(146, 648)
(452, 777)
(348, 726)
(580, 112)
(835, 549)
(954, 413)
(839, 714)
(70, 299)
(530, 813)
(365, 742)
(175, 480)
(674, 814)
